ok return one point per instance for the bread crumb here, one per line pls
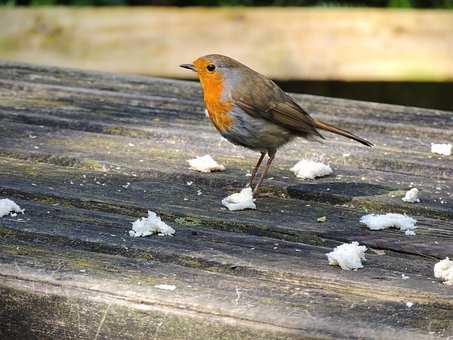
(441, 149)
(308, 169)
(240, 201)
(150, 225)
(443, 270)
(411, 196)
(409, 304)
(8, 206)
(166, 287)
(409, 232)
(348, 256)
(379, 222)
(205, 164)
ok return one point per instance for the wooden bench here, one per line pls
(86, 153)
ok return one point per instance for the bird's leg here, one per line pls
(255, 169)
(268, 165)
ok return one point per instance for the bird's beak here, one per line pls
(189, 67)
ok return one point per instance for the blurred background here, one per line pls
(391, 51)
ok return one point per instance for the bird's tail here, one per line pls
(327, 127)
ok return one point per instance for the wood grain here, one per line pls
(88, 153)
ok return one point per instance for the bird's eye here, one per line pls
(210, 67)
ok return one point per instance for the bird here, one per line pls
(251, 110)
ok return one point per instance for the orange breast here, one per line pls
(218, 110)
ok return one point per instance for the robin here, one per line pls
(249, 109)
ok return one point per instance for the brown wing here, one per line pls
(261, 97)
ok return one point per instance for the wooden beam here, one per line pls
(284, 43)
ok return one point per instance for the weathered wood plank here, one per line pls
(95, 150)
(130, 306)
(248, 306)
(388, 155)
(285, 218)
(200, 244)
(76, 111)
(152, 93)
(86, 154)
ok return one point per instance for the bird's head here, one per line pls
(214, 70)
